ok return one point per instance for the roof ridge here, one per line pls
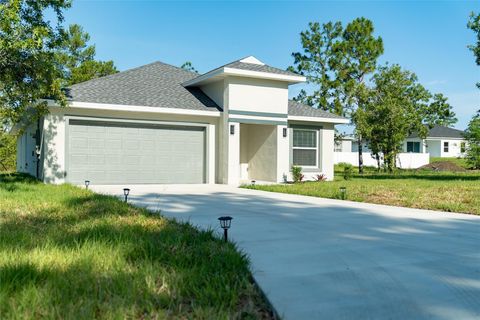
(131, 70)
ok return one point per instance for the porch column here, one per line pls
(283, 153)
(233, 158)
(327, 138)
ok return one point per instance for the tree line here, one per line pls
(385, 103)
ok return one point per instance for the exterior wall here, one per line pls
(283, 151)
(233, 156)
(53, 149)
(251, 105)
(433, 147)
(26, 159)
(327, 136)
(260, 151)
(404, 160)
(343, 145)
(215, 91)
(54, 137)
(257, 95)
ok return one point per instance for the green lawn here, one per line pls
(67, 253)
(445, 191)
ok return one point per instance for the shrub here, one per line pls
(320, 177)
(347, 171)
(472, 134)
(297, 174)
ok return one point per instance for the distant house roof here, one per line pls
(442, 132)
(153, 85)
(299, 109)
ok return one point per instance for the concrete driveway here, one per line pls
(329, 259)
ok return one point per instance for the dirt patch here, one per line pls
(442, 166)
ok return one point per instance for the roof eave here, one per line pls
(226, 71)
(132, 108)
(319, 119)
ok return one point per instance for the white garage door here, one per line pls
(124, 153)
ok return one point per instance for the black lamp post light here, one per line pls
(225, 223)
(126, 192)
(87, 183)
(343, 192)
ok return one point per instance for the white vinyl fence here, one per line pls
(404, 160)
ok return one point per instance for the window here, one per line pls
(338, 146)
(463, 147)
(445, 146)
(413, 146)
(305, 147)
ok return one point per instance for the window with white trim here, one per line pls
(413, 146)
(305, 147)
(445, 146)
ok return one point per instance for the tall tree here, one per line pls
(76, 58)
(474, 25)
(316, 64)
(188, 66)
(337, 62)
(472, 134)
(439, 112)
(396, 107)
(28, 68)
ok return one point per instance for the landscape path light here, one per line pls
(126, 192)
(87, 183)
(225, 223)
(343, 192)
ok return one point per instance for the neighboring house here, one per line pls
(161, 124)
(440, 142)
(344, 143)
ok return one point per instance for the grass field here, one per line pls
(445, 191)
(67, 253)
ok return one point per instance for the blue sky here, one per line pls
(429, 38)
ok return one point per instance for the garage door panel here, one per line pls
(120, 153)
(79, 159)
(96, 129)
(113, 159)
(79, 143)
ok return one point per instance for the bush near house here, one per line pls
(67, 253)
(297, 174)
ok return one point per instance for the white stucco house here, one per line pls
(441, 141)
(161, 124)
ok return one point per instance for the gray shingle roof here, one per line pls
(299, 109)
(152, 85)
(442, 132)
(259, 68)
